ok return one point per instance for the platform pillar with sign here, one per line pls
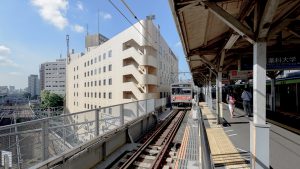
(259, 131)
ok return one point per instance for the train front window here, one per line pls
(181, 91)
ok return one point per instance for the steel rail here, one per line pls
(170, 137)
(137, 153)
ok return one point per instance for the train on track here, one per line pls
(181, 95)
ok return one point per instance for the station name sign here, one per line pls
(277, 61)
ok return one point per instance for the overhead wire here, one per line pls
(135, 17)
(115, 6)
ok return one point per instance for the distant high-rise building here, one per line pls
(133, 65)
(53, 76)
(12, 89)
(3, 90)
(33, 85)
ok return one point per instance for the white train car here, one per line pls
(181, 95)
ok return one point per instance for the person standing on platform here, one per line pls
(247, 96)
(231, 102)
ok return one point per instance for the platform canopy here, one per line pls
(218, 34)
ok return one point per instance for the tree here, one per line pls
(51, 100)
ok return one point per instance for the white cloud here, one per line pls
(53, 11)
(79, 6)
(178, 44)
(15, 73)
(105, 16)
(4, 61)
(78, 28)
(4, 50)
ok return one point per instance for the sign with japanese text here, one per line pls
(239, 75)
(275, 61)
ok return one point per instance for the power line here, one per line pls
(128, 20)
(135, 17)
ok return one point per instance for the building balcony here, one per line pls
(140, 57)
(141, 78)
(130, 89)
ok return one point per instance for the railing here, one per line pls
(38, 140)
(206, 158)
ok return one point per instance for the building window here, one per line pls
(88, 94)
(77, 76)
(91, 61)
(88, 73)
(74, 69)
(91, 83)
(109, 53)
(104, 56)
(109, 67)
(84, 95)
(99, 58)
(74, 77)
(110, 110)
(77, 93)
(88, 63)
(84, 105)
(74, 85)
(95, 60)
(88, 84)
(99, 82)
(109, 95)
(84, 74)
(99, 71)
(91, 94)
(84, 66)
(91, 72)
(95, 95)
(74, 94)
(84, 84)
(99, 94)
(104, 95)
(77, 67)
(95, 83)
(104, 69)
(88, 106)
(104, 82)
(110, 81)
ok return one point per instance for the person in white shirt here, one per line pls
(247, 96)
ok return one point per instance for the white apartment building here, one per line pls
(33, 85)
(133, 65)
(53, 76)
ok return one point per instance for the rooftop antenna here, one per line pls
(87, 29)
(98, 21)
(60, 56)
(68, 52)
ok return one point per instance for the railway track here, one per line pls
(154, 148)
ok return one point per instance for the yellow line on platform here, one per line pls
(223, 151)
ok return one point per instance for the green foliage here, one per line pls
(51, 100)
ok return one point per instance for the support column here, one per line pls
(209, 93)
(273, 94)
(220, 94)
(217, 100)
(259, 131)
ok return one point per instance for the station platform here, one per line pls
(284, 144)
(223, 151)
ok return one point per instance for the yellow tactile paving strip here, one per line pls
(223, 151)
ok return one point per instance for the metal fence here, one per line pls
(37, 140)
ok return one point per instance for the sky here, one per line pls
(34, 31)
